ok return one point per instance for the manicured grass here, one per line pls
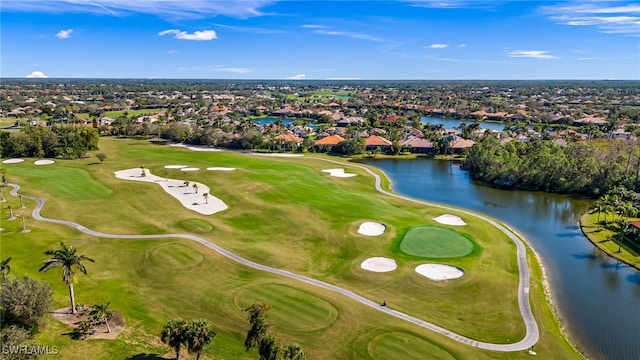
(397, 345)
(67, 183)
(284, 213)
(627, 251)
(296, 310)
(196, 225)
(435, 242)
(130, 113)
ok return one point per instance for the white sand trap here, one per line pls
(220, 169)
(449, 219)
(338, 173)
(12, 161)
(379, 264)
(196, 148)
(369, 228)
(43, 162)
(189, 169)
(439, 272)
(186, 195)
(277, 154)
(175, 166)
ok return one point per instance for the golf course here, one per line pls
(287, 236)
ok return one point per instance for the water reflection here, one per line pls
(589, 288)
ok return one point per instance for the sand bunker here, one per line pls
(175, 166)
(12, 161)
(196, 148)
(369, 228)
(189, 197)
(379, 264)
(220, 168)
(449, 219)
(190, 169)
(338, 173)
(439, 272)
(43, 162)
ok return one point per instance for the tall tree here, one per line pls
(174, 335)
(199, 335)
(66, 258)
(260, 327)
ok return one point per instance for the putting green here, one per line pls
(291, 309)
(435, 242)
(396, 345)
(175, 256)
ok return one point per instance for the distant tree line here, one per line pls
(56, 141)
(588, 167)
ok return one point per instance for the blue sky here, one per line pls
(260, 39)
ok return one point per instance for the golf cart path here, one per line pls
(532, 332)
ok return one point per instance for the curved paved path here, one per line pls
(529, 340)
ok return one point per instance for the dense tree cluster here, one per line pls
(56, 141)
(588, 167)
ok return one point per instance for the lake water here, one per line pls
(454, 123)
(598, 299)
(285, 121)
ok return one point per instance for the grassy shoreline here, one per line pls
(629, 253)
(260, 191)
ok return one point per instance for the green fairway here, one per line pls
(60, 181)
(285, 213)
(397, 345)
(435, 242)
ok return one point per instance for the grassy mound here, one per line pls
(435, 242)
(196, 225)
(175, 256)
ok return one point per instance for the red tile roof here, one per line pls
(330, 140)
(375, 140)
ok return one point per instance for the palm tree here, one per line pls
(195, 187)
(199, 335)
(174, 335)
(598, 206)
(5, 268)
(101, 312)
(206, 197)
(293, 352)
(66, 258)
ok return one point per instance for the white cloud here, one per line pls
(535, 54)
(451, 4)
(313, 26)
(165, 8)
(462, 45)
(605, 16)
(297, 77)
(234, 70)
(586, 58)
(172, 51)
(37, 75)
(438, 46)
(201, 35)
(349, 34)
(64, 34)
